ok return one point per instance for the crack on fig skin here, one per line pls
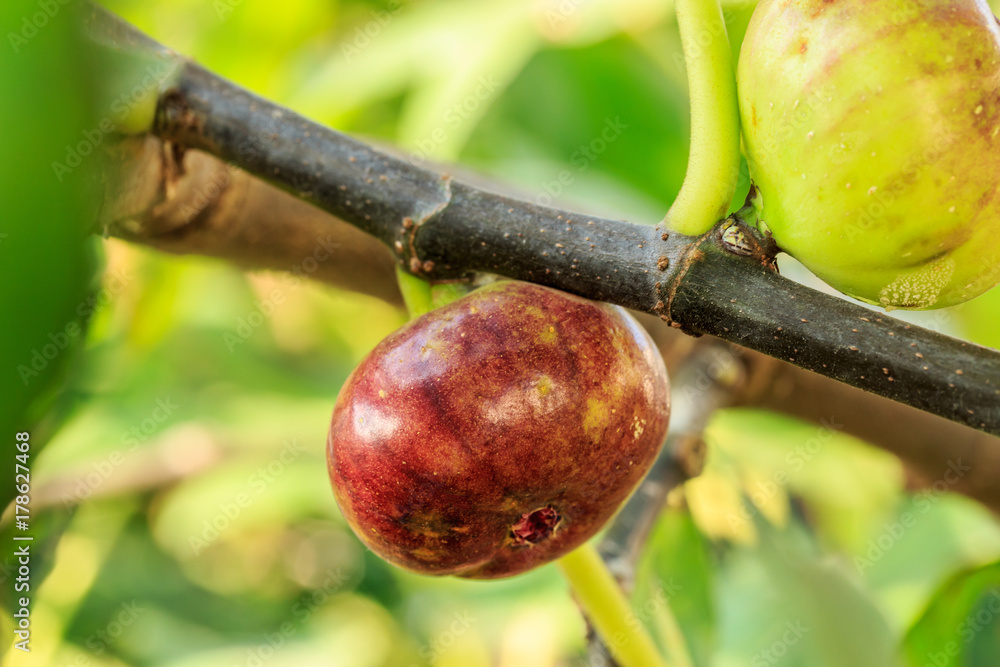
(534, 527)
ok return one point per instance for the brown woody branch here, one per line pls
(444, 229)
(153, 190)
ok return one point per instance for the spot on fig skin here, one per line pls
(534, 527)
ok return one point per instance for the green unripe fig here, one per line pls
(872, 130)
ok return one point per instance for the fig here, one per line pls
(498, 432)
(871, 130)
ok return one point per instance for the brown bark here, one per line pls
(188, 202)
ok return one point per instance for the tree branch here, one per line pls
(150, 196)
(443, 229)
(194, 203)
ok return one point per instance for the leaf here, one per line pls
(675, 584)
(46, 263)
(961, 625)
(930, 536)
(608, 118)
(849, 486)
(783, 601)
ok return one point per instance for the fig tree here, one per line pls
(497, 433)
(871, 130)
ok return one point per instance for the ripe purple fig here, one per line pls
(497, 433)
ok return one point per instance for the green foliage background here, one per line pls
(183, 512)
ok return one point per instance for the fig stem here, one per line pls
(416, 293)
(605, 604)
(445, 293)
(714, 159)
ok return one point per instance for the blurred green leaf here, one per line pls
(961, 625)
(783, 601)
(675, 584)
(979, 317)
(849, 486)
(46, 266)
(596, 127)
(931, 535)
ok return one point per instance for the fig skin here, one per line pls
(870, 128)
(497, 433)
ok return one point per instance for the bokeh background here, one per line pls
(180, 500)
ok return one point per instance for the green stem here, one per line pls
(714, 162)
(442, 295)
(605, 605)
(416, 293)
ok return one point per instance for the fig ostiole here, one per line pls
(498, 432)
(871, 130)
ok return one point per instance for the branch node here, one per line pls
(175, 118)
(412, 224)
(739, 238)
